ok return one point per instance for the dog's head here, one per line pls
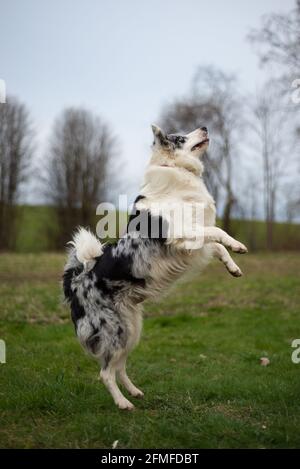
(182, 151)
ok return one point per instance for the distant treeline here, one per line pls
(252, 167)
(38, 226)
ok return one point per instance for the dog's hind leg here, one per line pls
(223, 255)
(108, 377)
(125, 380)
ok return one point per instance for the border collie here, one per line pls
(107, 284)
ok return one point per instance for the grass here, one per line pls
(37, 227)
(198, 362)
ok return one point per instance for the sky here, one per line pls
(123, 60)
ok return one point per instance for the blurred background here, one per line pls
(84, 81)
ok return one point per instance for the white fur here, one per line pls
(86, 245)
(175, 177)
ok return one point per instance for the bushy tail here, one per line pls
(80, 257)
(86, 245)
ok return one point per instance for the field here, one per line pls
(37, 227)
(198, 362)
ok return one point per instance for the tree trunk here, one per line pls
(226, 220)
(269, 234)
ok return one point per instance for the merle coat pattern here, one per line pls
(106, 285)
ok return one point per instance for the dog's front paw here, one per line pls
(238, 247)
(236, 273)
(233, 269)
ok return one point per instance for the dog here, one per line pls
(106, 285)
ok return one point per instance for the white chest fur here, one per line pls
(166, 185)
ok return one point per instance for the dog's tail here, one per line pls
(85, 248)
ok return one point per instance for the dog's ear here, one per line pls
(160, 137)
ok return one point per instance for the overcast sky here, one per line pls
(122, 59)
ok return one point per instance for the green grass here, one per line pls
(198, 362)
(37, 227)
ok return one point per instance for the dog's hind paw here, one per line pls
(138, 394)
(124, 404)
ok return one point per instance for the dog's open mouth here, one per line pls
(200, 144)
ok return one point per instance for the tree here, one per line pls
(271, 128)
(81, 147)
(278, 43)
(215, 103)
(16, 152)
(278, 39)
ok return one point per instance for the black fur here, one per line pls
(177, 140)
(123, 266)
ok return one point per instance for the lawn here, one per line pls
(37, 228)
(198, 362)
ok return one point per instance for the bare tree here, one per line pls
(278, 44)
(81, 147)
(15, 156)
(271, 127)
(292, 188)
(214, 102)
(278, 39)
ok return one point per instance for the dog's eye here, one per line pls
(180, 140)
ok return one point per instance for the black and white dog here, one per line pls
(107, 284)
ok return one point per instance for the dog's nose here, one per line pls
(204, 129)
